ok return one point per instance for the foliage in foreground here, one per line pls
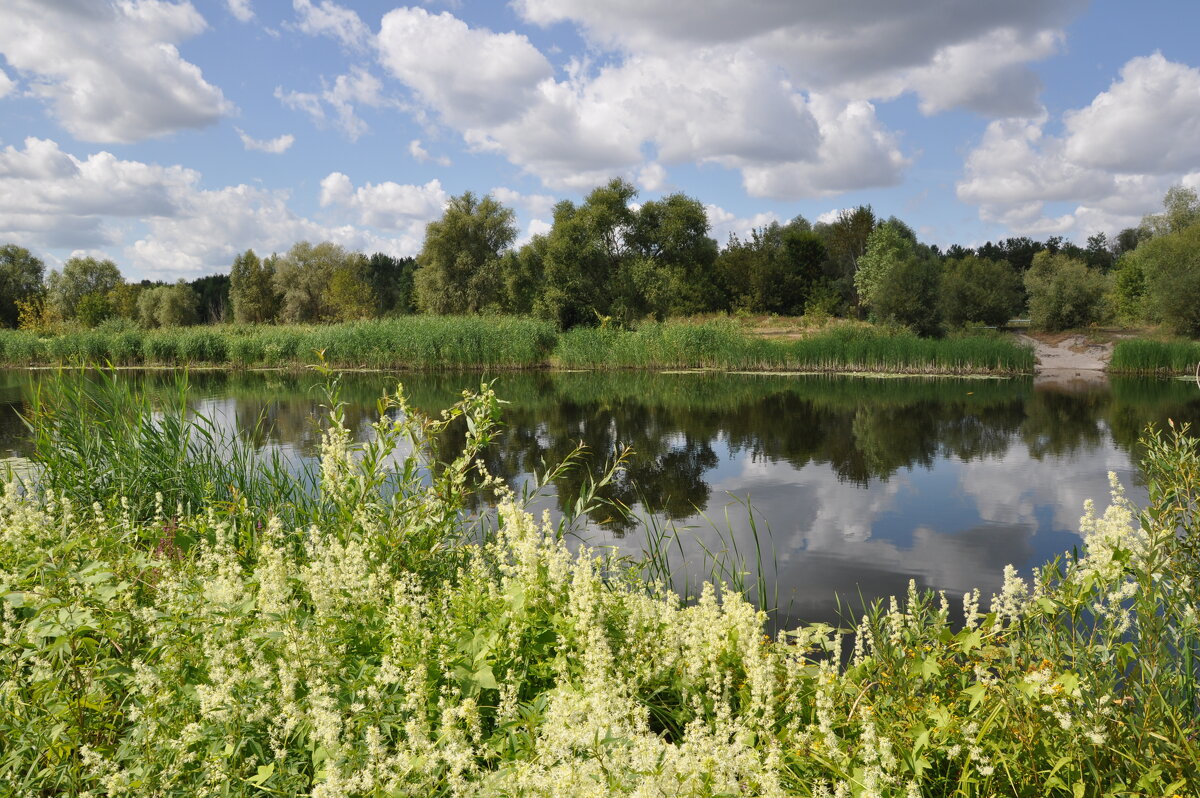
(375, 651)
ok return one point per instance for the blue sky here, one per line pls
(171, 135)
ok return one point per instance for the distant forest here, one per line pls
(609, 261)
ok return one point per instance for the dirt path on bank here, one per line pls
(1065, 360)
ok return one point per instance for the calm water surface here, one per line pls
(857, 485)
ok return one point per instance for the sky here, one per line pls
(172, 135)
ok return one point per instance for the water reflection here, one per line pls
(862, 483)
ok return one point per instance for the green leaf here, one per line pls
(264, 773)
(485, 678)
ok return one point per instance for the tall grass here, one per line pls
(381, 649)
(425, 342)
(723, 345)
(1146, 356)
(457, 342)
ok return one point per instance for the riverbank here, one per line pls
(367, 642)
(433, 343)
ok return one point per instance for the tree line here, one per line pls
(609, 260)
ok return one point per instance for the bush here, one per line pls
(907, 294)
(1063, 292)
(1171, 265)
(980, 290)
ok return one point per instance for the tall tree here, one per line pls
(303, 276)
(1181, 209)
(212, 297)
(391, 282)
(83, 278)
(20, 280)
(458, 268)
(252, 289)
(846, 239)
(670, 235)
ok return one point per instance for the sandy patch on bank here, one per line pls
(1069, 360)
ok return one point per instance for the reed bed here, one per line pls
(504, 342)
(723, 345)
(378, 646)
(417, 342)
(1155, 357)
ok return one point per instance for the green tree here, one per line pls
(980, 290)
(846, 240)
(1181, 209)
(522, 272)
(252, 289)
(669, 237)
(585, 257)
(168, 306)
(458, 266)
(350, 295)
(124, 300)
(888, 245)
(212, 297)
(908, 294)
(302, 278)
(1170, 264)
(773, 271)
(391, 283)
(81, 277)
(1063, 292)
(20, 280)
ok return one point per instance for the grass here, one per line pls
(381, 647)
(457, 342)
(723, 345)
(1155, 357)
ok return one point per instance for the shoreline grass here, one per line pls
(1151, 357)
(459, 342)
(377, 646)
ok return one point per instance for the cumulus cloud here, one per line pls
(1113, 161)
(425, 51)
(326, 18)
(342, 98)
(6, 83)
(576, 131)
(880, 48)
(723, 223)
(50, 198)
(275, 146)
(112, 73)
(241, 9)
(387, 205)
(421, 155)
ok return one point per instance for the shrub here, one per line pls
(980, 290)
(1063, 292)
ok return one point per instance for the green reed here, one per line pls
(1148, 356)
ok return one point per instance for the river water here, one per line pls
(842, 488)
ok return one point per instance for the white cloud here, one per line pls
(421, 155)
(1114, 161)
(342, 97)
(652, 176)
(722, 223)
(6, 83)
(112, 73)
(388, 205)
(537, 205)
(855, 152)
(50, 198)
(870, 50)
(1145, 123)
(241, 9)
(426, 51)
(326, 18)
(275, 146)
